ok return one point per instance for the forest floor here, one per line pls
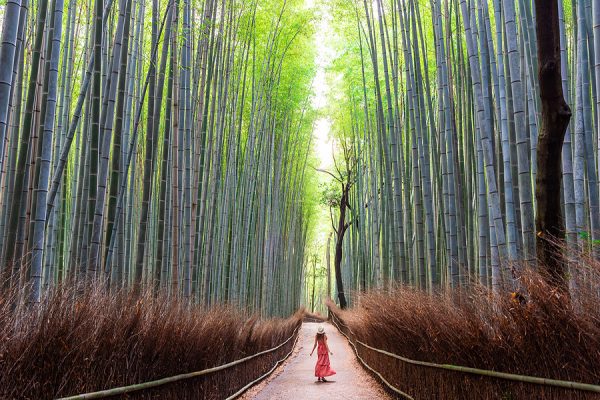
(295, 378)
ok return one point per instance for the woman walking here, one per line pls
(322, 369)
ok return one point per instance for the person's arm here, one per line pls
(327, 346)
(311, 353)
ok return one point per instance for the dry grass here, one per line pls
(544, 334)
(75, 344)
(314, 317)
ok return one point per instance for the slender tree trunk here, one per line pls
(39, 231)
(328, 260)
(25, 148)
(12, 11)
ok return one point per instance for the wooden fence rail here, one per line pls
(456, 368)
(164, 381)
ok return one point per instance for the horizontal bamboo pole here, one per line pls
(147, 385)
(392, 387)
(502, 375)
(484, 372)
(254, 382)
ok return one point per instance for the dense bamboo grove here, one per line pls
(166, 143)
(156, 143)
(162, 164)
(441, 103)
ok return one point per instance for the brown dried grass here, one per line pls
(314, 317)
(75, 344)
(545, 334)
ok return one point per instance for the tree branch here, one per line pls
(347, 225)
(328, 173)
(332, 224)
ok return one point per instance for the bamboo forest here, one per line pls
(194, 192)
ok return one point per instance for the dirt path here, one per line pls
(295, 379)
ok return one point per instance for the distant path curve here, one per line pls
(295, 379)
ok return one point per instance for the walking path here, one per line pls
(295, 378)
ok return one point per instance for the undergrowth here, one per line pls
(76, 343)
(539, 331)
(314, 317)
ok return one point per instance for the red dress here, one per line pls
(322, 369)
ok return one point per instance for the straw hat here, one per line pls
(321, 330)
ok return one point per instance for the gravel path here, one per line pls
(295, 378)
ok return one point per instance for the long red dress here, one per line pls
(323, 369)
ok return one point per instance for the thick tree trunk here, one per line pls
(337, 261)
(555, 119)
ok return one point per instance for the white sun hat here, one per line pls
(321, 330)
